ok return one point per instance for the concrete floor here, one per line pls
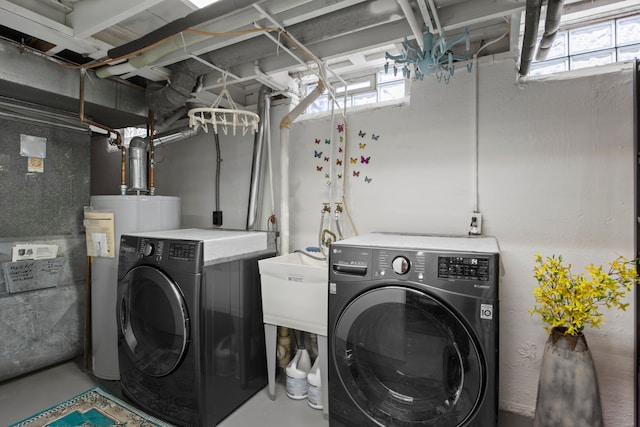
(32, 393)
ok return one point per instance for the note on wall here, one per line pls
(100, 231)
(21, 276)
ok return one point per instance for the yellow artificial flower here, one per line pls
(573, 301)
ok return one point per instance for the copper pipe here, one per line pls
(118, 142)
(152, 154)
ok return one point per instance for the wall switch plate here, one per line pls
(217, 218)
(475, 223)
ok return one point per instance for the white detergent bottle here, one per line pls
(314, 398)
(296, 371)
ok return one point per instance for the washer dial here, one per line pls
(401, 265)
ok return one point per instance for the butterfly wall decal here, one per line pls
(326, 175)
(362, 146)
(341, 139)
(365, 159)
(317, 154)
(375, 137)
(356, 173)
(339, 176)
(319, 168)
(317, 141)
(340, 150)
(338, 162)
(367, 179)
(340, 127)
(326, 159)
(327, 141)
(361, 134)
(354, 160)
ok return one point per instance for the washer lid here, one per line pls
(217, 244)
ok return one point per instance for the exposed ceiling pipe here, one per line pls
(413, 22)
(551, 25)
(531, 22)
(436, 19)
(118, 142)
(297, 42)
(284, 163)
(426, 15)
(213, 11)
(187, 39)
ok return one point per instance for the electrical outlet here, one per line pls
(475, 223)
(217, 218)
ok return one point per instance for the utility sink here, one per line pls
(294, 292)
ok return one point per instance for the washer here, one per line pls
(190, 335)
(413, 331)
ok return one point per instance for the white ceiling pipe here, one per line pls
(284, 164)
(302, 47)
(436, 19)
(426, 15)
(413, 22)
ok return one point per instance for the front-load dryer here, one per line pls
(413, 331)
(190, 332)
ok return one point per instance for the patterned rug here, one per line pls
(95, 407)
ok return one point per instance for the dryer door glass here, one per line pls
(407, 360)
(153, 320)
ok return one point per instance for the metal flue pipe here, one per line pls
(258, 157)
(531, 23)
(551, 25)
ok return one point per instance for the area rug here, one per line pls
(96, 407)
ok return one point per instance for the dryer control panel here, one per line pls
(463, 267)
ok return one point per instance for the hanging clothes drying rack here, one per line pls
(224, 118)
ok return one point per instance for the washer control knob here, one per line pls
(149, 249)
(401, 265)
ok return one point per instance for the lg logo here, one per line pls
(486, 311)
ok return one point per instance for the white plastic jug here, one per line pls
(314, 398)
(297, 369)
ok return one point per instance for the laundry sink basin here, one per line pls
(294, 292)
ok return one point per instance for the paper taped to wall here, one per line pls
(27, 251)
(100, 230)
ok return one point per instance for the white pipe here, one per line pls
(284, 163)
(413, 22)
(426, 15)
(296, 41)
(434, 12)
(474, 150)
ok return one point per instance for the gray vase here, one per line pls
(568, 393)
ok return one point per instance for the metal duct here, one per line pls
(174, 95)
(531, 22)
(214, 10)
(551, 25)
(258, 150)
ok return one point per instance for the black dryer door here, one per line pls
(407, 360)
(153, 320)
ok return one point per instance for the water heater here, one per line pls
(132, 214)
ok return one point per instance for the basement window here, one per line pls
(592, 45)
(364, 90)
